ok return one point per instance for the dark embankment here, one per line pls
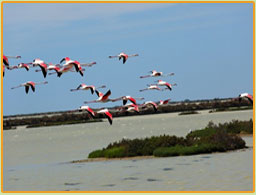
(62, 119)
(213, 138)
(67, 117)
(231, 109)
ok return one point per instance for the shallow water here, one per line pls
(38, 158)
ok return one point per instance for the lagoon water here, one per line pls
(38, 159)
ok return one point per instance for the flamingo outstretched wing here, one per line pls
(250, 98)
(44, 69)
(26, 88)
(109, 117)
(107, 95)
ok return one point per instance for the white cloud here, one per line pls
(15, 14)
(32, 23)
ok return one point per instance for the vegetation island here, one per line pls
(213, 138)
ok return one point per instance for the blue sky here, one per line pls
(209, 47)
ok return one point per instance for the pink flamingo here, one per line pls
(247, 96)
(155, 73)
(6, 61)
(152, 87)
(75, 63)
(164, 83)
(102, 97)
(41, 64)
(29, 84)
(133, 107)
(50, 66)
(60, 70)
(131, 99)
(72, 63)
(86, 87)
(107, 114)
(150, 103)
(20, 65)
(130, 107)
(24, 65)
(88, 109)
(123, 56)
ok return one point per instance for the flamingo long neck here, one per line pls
(41, 83)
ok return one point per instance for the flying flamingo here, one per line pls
(131, 99)
(24, 65)
(6, 61)
(155, 73)
(20, 65)
(60, 70)
(164, 83)
(86, 87)
(88, 109)
(102, 97)
(245, 95)
(133, 107)
(162, 102)
(41, 64)
(124, 56)
(72, 63)
(130, 107)
(151, 87)
(107, 114)
(29, 84)
(50, 66)
(76, 64)
(85, 108)
(150, 103)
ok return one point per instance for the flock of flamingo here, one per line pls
(68, 65)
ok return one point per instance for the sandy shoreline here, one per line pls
(112, 159)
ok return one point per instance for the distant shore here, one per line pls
(67, 117)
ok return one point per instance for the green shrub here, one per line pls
(201, 133)
(117, 152)
(186, 150)
(96, 154)
(233, 127)
(146, 146)
(167, 151)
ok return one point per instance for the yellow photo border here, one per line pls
(68, 1)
